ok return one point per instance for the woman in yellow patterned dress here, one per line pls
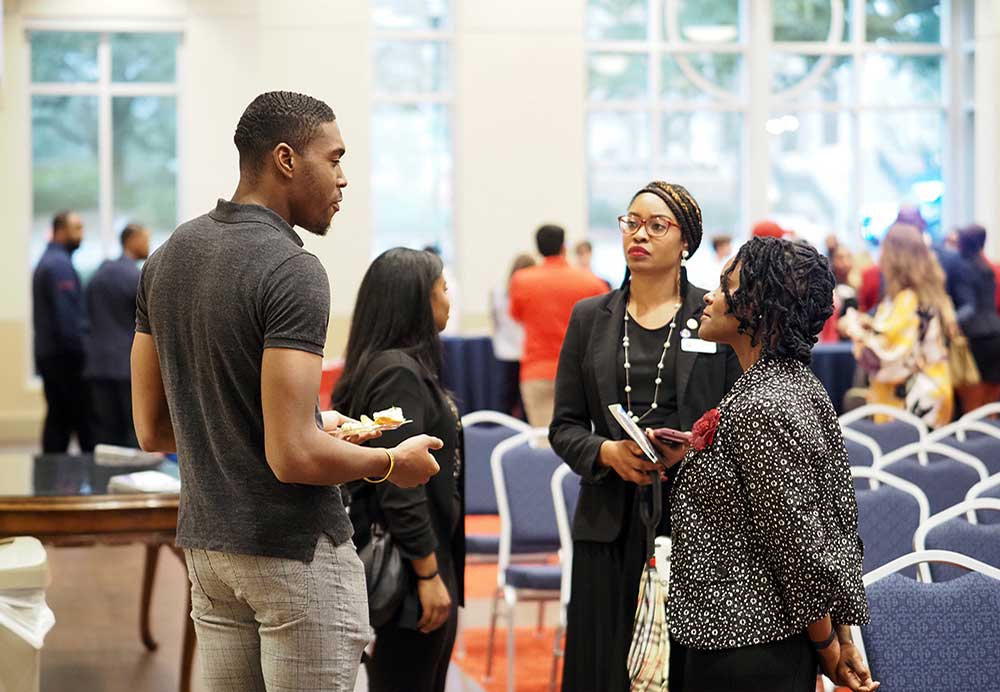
(904, 346)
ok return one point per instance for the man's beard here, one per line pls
(72, 246)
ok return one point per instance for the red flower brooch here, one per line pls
(703, 432)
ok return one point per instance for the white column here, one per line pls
(987, 187)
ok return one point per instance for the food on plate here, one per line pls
(390, 416)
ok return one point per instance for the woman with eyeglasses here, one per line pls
(639, 347)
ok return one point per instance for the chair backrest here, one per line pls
(862, 450)
(933, 637)
(522, 475)
(903, 429)
(484, 430)
(949, 530)
(988, 488)
(974, 437)
(888, 516)
(565, 493)
(981, 413)
(945, 476)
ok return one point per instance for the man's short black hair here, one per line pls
(61, 219)
(720, 240)
(550, 240)
(129, 231)
(275, 117)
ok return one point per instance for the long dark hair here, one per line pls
(393, 311)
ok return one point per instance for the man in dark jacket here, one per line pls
(110, 300)
(59, 323)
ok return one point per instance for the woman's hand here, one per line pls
(332, 420)
(628, 461)
(851, 669)
(435, 604)
(829, 659)
(670, 452)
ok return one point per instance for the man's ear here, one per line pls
(284, 160)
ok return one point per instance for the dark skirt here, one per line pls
(986, 353)
(602, 607)
(788, 665)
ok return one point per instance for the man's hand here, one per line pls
(628, 461)
(332, 420)
(414, 462)
(852, 671)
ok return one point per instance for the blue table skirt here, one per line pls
(476, 377)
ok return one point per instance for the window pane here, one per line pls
(64, 170)
(608, 197)
(411, 180)
(903, 21)
(415, 15)
(811, 173)
(703, 152)
(811, 78)
(144, 57)
(412, 67)
(59, 56)
(701, 76)
(704, 22)
(902, 79)
(616, 20)
(803, 20)
(901, 157)
(145, 163)
(618, 138)
(617, 76)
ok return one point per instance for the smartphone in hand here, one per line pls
(670, 436)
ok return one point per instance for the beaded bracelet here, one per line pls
(392, 465)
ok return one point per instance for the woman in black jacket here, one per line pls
(637, 346)
(974, 294)
(394, 359)
(766, 559)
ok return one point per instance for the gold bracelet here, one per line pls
(392, 465)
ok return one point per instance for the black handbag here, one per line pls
(385, 576)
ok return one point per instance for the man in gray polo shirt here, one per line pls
(231, 321)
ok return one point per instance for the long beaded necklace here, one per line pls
(659, 366)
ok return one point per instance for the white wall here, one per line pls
(988, 121)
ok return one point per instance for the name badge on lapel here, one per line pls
(699, 346)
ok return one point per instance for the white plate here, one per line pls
(364, 429)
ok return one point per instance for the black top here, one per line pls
(428, 518)
(587, 382)
(223, 288)
(765, 522)
(57, 307)
(110, 298)
(645, 348)
(974, 294)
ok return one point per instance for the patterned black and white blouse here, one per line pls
(765, 522)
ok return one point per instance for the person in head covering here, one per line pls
(637, 346)
(769, 229)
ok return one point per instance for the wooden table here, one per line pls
(62, 500)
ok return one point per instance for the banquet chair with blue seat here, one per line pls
(483, 431)
(988, 413)
(522, 469)
(565, 494)
(988, 488)
(975, 437)
(957, 529)
(890, 510)
(929, 637)
(944, 473)
(904, 428)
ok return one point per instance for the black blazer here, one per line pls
(587, 383)
(974, 295)
(765, 523)
(426, 518)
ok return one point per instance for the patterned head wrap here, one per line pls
(685, 209)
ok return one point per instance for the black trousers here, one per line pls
(788, 665)
(66, 401)
(406, 660)
(111, 406)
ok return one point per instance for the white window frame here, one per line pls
(757, 103)
(447, 99)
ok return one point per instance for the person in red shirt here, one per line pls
(541, 299)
